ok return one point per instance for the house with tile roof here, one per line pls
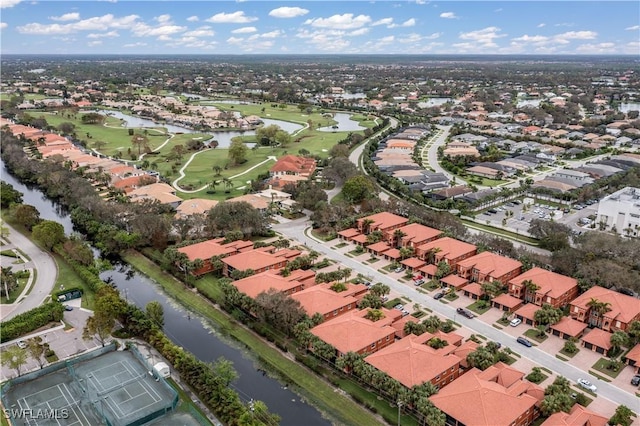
(548, 287)
(194, 206)
(412, 362)
(496, 396)
(446, 249)
(577, 416)
(415, 234)
(258, 261)
(322, 299)
(632, 358)
(293, 165)
(206, 250)
(597, 340)
(384, 221)
(567, 328)
(253, 285)
(488, 266)
(161, 192)
(352, 332)
(620, 309)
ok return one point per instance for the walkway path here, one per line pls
(46, 275)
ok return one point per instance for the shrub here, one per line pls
(30, 321)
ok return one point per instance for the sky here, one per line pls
(319, 27)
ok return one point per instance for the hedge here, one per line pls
(69, 290)
(86, 274)
(30, 321)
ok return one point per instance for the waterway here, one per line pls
(344, 124)
(188, 330)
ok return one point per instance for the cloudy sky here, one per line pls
(320, 27)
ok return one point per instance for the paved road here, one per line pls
(47, 272)
(296, 230)
(432, 155)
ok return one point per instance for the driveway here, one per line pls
(296, 231)
(46, 274)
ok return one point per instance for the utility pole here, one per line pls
(399, 409)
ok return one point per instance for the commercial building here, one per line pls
(620, 212)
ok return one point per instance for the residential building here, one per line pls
(447, 250)
(496, 396)
(605, 309)
(546, 287)
(384, 221)
(597, 340)
(194, 206)
(632, 358)
(206, 250)
(352, 332)
(161, 192)
(415, 234)
(577, 416)
(488, 266)
(412, 362)
(620, 212)
(291, 169)
(257, 261)
(255, 284)
(322, 299)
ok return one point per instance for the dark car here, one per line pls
(68, 308)
(494, 211)
(438, 295)
(524, 341)
(465, 313)
(635, 380)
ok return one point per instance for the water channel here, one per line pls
(193, 333)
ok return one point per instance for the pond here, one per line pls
(345, 124)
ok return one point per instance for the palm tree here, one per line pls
(217, 170)
(596, 311)
(228, 184)
(365, 225)
(530, 289)
(397, 237)
(213, 185)
(431, 255)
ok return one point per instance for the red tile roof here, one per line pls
(393, 253)
(551, 284)
(348, 233)
(207, 249)
(491, 264)
(360, 238)
(490, 397)
(255, 284)
(418, 233)
(454, 280)
(450, 248)
(294, 164)
(379, 247)
(321, 299)
(474, 288)
(527, 311)
(252, 259)
(507, 300)
(569, 326)
(413, 263)
(599, 338)
(634, 354)
(429, 270)
(623, 308)
(411, 362)
(578, 416)
(384, 220)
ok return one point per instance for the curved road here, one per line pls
(47, 272)
(296, 230)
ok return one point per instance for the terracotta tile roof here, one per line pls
(412, 362)
(360, 238)
(507, 300)
(413, 262)
(255, 284)
(252, 259)
(207, 249)
(399, 325)
(450, 248)
(623, 308)
(454, 280)
(254, 200)
(634, 354)
(465, 349)
(301, 274)
(384, 220)
(569, 326)
(294, 164)
(352, 332)
(418, 233)
(599, 338)
(379, 247)
(578, 416)
(321, 299)
(128, 184)
(550, 283)
(348, 233)
(393, 253)
(429, 269)
(527, 311)
(491, 264)
(473, 288)
(195, 206)
(477, 397)
(162, 192)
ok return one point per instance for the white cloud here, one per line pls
(288, 12)
(163, 19)
(271, 34)
(485, 36)
(634, 28)
(245, 30)
(98, 23)
(94, 43)
(200, 32)
(631, 48)
(164, 30)
(564, 24)
(596, 48)
(531, 39)
(3, 25)
(565, 38)
(411, 38)
(231, 18)
(193, 18)
(448, 15)
(409, 23)
(346, 21)
(235, 40)
(383, 21)
(387, 40)
(8, 3)
(432, 36)
(66, 17)
(359, 32)
(104, 35)
(138, 44)
(542, 25)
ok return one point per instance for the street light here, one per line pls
(399, 408)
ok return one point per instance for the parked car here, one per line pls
(399, 306)
(418, 282)
(515, 322)
(68, 308)
(524, 341)
(635, 380)
(22, 344)
(438, 295)
(399, 269)
(494, 211)
(587, 385)
(405, 312)
(465, 313)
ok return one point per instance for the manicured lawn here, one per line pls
(479, 307)
(431, 285)
(451, 296)
(67, 278)
(314, 389)
(570, 355)
(393, 302)
(611, 369)
(498, 231)
(15, 293)
(533, 334)
(338, 246)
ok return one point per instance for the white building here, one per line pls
(620, 212)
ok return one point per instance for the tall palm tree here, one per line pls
(365, 225)
(597, 310)
(530, 289)
(228, 184)
(397, 237)
(431, 255)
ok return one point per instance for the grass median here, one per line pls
(314, 389)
